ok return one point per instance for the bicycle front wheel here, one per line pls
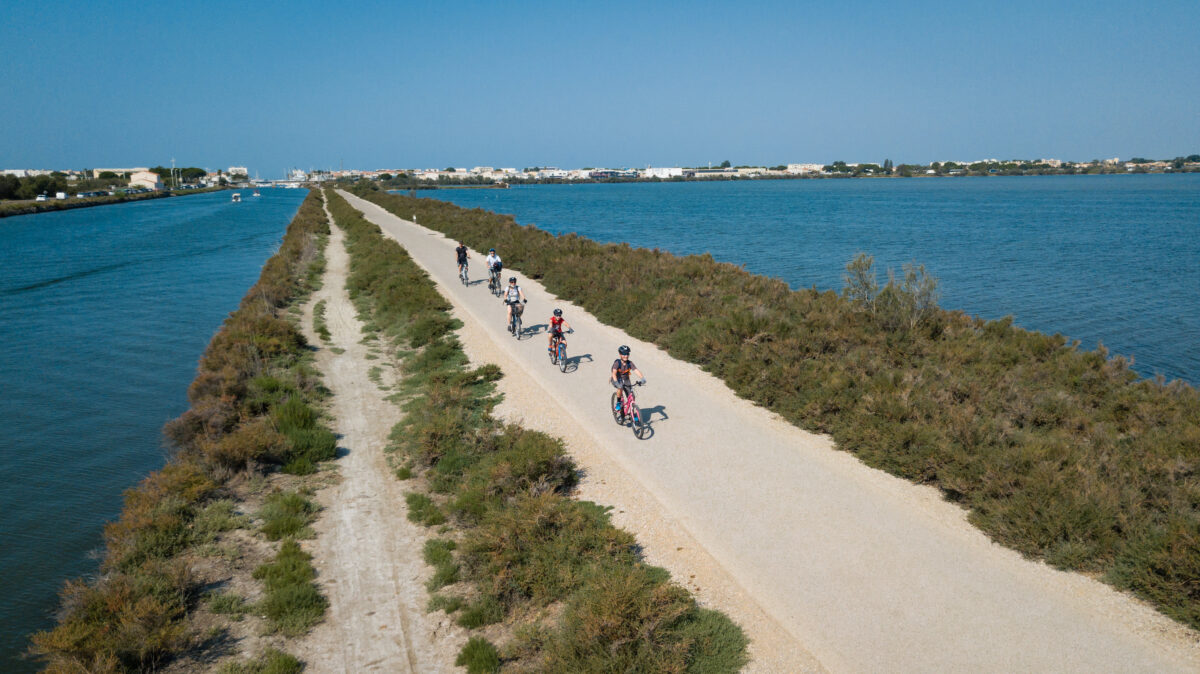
(517, 327)
(637, 422)
(562, 357)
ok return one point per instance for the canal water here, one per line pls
(104, 314)
(1102, 259)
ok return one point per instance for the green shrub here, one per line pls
(271, 661)
(287, 515)
(479, 656)
(214, 518)
(483, 611)
(441, 602)
(292, 603)
(224, 603)
(440, 555)
(422, 510)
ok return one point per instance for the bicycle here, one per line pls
(462, 274)
(514, 326)
(628, 409)
(494, 282)
(558, 353)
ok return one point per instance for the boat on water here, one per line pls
(237, 197)
(256, 194)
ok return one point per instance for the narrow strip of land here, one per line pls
(867, 571)
(367, 555)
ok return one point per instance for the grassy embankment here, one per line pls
(568, 588)
(251, 416)
(29, 206)
(1064, 455)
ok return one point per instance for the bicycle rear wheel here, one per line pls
(562, 357)
(553, 355)
(637, 422)
(616, 411)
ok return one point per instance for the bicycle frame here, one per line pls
(627, 399)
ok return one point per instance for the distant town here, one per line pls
(43, 184)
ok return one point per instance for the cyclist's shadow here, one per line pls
(660, 410)
(536, 328)
(573, 361)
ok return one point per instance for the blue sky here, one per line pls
(462, 83)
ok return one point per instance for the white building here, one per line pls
(146, 179)
(801, 169)
(661, 172)
(237, 170)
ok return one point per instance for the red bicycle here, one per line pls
(626, 410)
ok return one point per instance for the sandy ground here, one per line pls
(825, 562)
(367, 554)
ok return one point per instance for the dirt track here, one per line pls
(367, 555)
(815, 554)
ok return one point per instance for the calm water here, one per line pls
(1102, 259)
(104, 313)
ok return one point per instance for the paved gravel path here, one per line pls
(866, 571)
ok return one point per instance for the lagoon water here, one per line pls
(1102, 259)
(105, 312)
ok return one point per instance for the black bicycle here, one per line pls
(494, 282)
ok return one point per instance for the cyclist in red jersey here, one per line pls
(557, 325)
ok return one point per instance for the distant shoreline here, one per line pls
(29, 207)
(719, 179)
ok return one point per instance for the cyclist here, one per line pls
(512, 296)
(557, 325)
(494, 265)
(461, 254)
(619, 378)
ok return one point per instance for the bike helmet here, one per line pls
(491, 250)
(512, 279)
(623, 350)
(558, 312)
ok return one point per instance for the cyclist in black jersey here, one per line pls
(461, 255)
(622, 368)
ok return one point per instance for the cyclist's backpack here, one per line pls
(499, 266)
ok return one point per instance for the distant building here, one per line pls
(237, 170)
(146, 179)
(663, 173)
(711, 173)
(119, 171)
(801, 169)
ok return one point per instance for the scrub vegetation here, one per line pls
(1063, 454)
(515, 548)
(251, 414)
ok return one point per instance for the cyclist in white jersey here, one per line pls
(494, 265)
(512, 295)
